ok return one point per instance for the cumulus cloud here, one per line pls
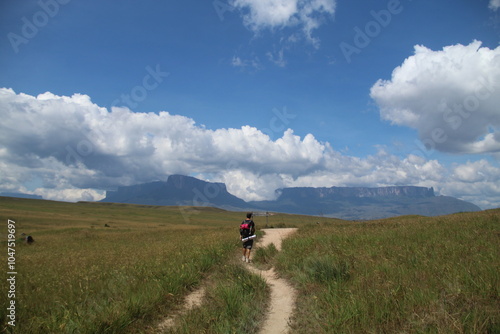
(450, 96)
(477, 181)
(70, 142)
(494, 4)
(477, 171)
(68, 148)
(267, 13)
(308, 15)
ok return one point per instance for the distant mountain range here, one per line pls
(352, 203)
(20, 195)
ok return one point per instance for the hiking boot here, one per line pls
(243, 258)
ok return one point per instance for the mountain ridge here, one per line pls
(341, 202)
(177, 190)
(410, 191)
(20, 195)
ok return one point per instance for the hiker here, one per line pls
(247, 229)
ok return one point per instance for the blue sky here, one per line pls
(233, 76)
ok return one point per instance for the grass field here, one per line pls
(110, 268)
(116, 268)
(80, 276)
(398, 275)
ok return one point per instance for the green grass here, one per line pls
(406, 274)
(264, 256)
(234, 303)
(82, 277)
(100, 281)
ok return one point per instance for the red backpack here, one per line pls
(245, 228)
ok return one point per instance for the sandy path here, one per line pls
(191, 301)
(282, 294)
(275, 236)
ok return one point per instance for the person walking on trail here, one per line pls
(247, 230)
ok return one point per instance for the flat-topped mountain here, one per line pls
(365, 203)
(177, 190)
(358, 192)
(340, 202)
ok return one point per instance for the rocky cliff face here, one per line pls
(365, 203)
(177, 190)
(340, 202)
(355, 192)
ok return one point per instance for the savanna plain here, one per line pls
(119, 268)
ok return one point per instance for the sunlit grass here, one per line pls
(406, 274)
(409, 274)
(80, 276)
(95, 281)
(110, 268)
(234, 303)
(264, 256)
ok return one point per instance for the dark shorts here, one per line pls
(248, 244)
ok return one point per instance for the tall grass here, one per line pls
(264, 256)
(113, 268)
(82, 277)
(234, 303)
(90, 281)
(408, 274)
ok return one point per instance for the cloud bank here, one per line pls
(451, 97)
(69, 148)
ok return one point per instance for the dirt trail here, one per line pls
(282, 294)
(191, 301)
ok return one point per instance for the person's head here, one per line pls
(249, 215)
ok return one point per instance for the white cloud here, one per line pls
(250, 185)
(478, 171)
(246, 63)
(308, 15)
(277, 58)
(477, 181)
(237, 62)
(267, 13)
(68, 148)
(494, 4)
(69, 142)
(71, 194)
(450, 96)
